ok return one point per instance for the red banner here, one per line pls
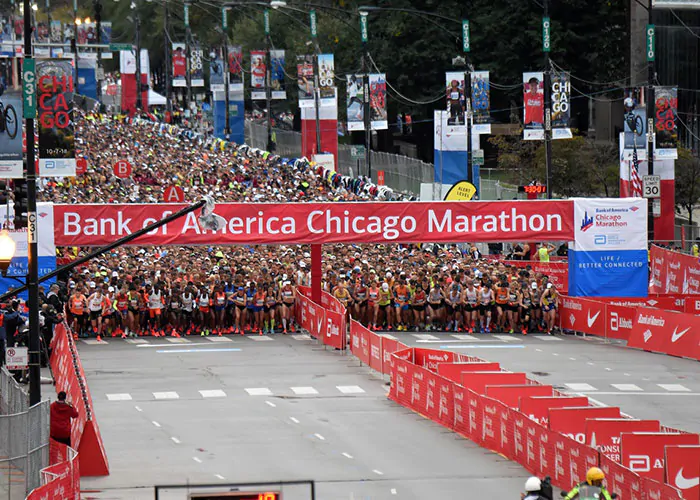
(335, 334)
(621, 480)
(491, 424)
(683, 470)
(477, 381)
(299, 223)
(667, 332)
(655, 490)
(670, 302)
(430, 358)
(619, 321)
(674, 272)
(453, 371)
(572, 421)
(558, 272)
(537, 407)
(582, 315)
(61, 480)
(643, 452)
(375, 351)
(603, 434)
(401, 375)
(68, 371)
(510, 394)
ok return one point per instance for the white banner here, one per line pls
(610, 224)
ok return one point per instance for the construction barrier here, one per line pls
(60, 480)
(70, 377)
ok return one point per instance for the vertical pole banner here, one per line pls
(561, 109)
(481, 102)
(377, 101)
(196, 66)
(179, 59)
(11, 164)
(55, 111)
(258, 72)
(355, 103)
(454, 93)
(326, 79)
(533, 103)
(635, 138)
(217, 73)
(305, 81)
(235, 68)
(277, 74)
(666, 129)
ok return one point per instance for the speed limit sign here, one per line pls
(651, 186)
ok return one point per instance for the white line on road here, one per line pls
(166, 395)
(608, 369)
(590, 363)
(260, 338)
(581, 387)
(505, 338)
(627, 387)
(572, 359)
(320, 437)
(424, 336)
(197, 459)
(270, 403)
(555, 354)
(119, 397)
(138, 408)
(638, 394)
(94, 342)
(155, 423)
(216, 393)
(627, 375)
(302, 336)
(176, 340)
(546, 338)
(538, 350)
(393, 491)
(258, 391)
(219, 339)
(347, 455)
(350, 389)
(137, 341)
(219, 476)
(304, 390)
(378, 472)
(175, 440)
(596, 402)
(295, 420)
(674, 387)
(169, 344)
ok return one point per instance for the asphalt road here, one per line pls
(644, 385)
(251, 410)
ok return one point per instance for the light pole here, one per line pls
(76, 23)
(268, 89)
(188, 34)
(364, 34)
(98, 23)
(32, 252)
(224, 26)
(168, 85)
(651, 104)
(546, 43)
(137, 20)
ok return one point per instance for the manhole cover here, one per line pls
(540, 374)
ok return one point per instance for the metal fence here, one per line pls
(24, 439)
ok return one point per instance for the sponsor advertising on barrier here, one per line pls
(621, 480)
(477, 381)
(510, 394)
(582, 315)
(453, 371)
(603, 434)
(571, 422)
(609, 255)
(659, 491)
(667, 332)
(61, 480)
(558, 272)
(683, 470)
(674, 272)
(537, 407)
(251, 223)
(643, 452)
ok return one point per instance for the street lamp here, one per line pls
(7, 251)
(276, 4)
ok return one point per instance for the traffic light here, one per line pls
(4, 194)
(19, 191)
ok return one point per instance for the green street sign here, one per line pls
(357, 152)
(187, 15)
(546, 40)
(266, 18)
(466, 43)
(116, 47)
(364, 28)
(313, 23)
(224, 17)
(29, 88)
(478, 157)
(651, 42)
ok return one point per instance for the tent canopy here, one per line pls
(155, 99)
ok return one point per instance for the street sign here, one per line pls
(122, 169)
(187, 15)
(651, 42)
(266, 19)
(546, 40)
(466, 45)
(357, 152)
(17, 358)
(29, 88)
(116, 47)
(80, 166)
(173, 194)
(313, 22)
(380, 177)
(224, 17)
(99, 74)
(651, 186)
(364, 28)
(656, 207)
(478, 157)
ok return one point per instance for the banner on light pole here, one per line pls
(561, 107)
(377, 101)
(217, 73)
(326, 79)
(305, 81)
(455, 96)
(179, 60)
(355, 102)
(533, 106)
(481, 102)
(258, 72)
(235, 68)
(277, 74)
(666, 106)
(196, 67)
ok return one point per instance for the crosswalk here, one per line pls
(164, 341)
(340, 390)
(583, 387)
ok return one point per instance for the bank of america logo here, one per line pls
(634, 209)
(647, 336)
(587, 222)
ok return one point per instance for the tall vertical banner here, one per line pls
(450, 158)
(11, 164)
(481, 102)
(196, 67)
(55, 116)
(635, 125)
(305, 81)
(666, 106)
(454, 94)
(355, 102)
(217, 73)
(179, 59)
(326, 79)
(377, 101)
(533, 104)
(127, 68)
(258, 71)
(608, 257)
(561, 108)
(57, 32)
(235, 68)
(277, 74)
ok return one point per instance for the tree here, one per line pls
(687, 182)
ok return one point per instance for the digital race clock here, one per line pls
(532, 189)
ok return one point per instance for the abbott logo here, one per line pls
(614, 321)
(639, 463)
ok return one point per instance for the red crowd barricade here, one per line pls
(510, 394)
(682, 467)
(655, 490)
(644, 452)
(572, 421)
(603, 434)
(60, 480)
(537, 407)
(666, 332)
(621, 480)
(453, 371)
(582, 315)
(477, 381)
(619, 321)
(375, 351)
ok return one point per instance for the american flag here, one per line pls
(635, 181)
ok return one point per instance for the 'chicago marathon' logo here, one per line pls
(587, 222)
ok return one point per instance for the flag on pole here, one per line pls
(635, 181)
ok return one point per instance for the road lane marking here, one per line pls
(155, 423)
(137, 341)
(378, 472)
(138, 408)
(347, 455)
(168, 345)
(258, 391)
(94, 341)
(674, 387)
(302, 336)
(169, 351)
(219, 339)
(424, 336)
(219, 476)
(119, 397)
(350, 389)
(216, 393)
(197, 459)
(510, 346)
(176, 340)
(301, 391)
(581, 387)
(505, 338)
(627, 387)
(320, 437)
(175, 440)
(393, 491)
(546, 338)
(270, 403)
(260, 338)
(166, 395)
(295, 420)
(639, 394)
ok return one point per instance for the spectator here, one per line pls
(62, 412)
(12, 322)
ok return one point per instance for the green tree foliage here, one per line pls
(687, 182)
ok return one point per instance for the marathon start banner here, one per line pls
(303, 223)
